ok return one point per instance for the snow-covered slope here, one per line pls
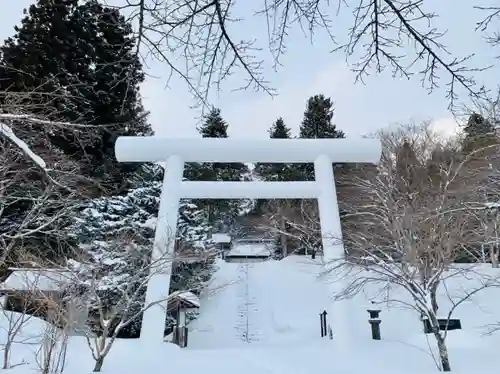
(276, 304)
(268, 303)
(400, 322)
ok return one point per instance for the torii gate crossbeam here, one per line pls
(175, 152)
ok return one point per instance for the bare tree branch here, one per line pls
(199, 33)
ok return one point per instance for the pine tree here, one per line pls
(276, 172)
(222, 211)
(116, 234)
(279, 130)
(479, 132)
(214, 125)
(77, 62)
(477, 124)
(317, 123)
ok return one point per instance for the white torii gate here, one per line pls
(323, 152)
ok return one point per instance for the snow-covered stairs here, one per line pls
(252, 305)
(242, 324)
(253, 308)
(248, 309)
(235, 318)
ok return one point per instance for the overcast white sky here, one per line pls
(311, 69)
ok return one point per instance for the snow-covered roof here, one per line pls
(258, 240)
(250, 250)
(190, 297)
(186, 296)
(221, 238)
(492, 205)
(24, 279)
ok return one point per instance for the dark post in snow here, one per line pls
(322, 320)
(375, 323)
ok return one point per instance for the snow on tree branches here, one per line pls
(115, 236)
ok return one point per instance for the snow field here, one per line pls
(287, 297)
(281, 302)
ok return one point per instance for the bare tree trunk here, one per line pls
(483, 255)
(440, 339)
(443, 350)
(98, 364)
(434, 302)
(6, 354)
(283, 234)
(494, 256)
(423, 271)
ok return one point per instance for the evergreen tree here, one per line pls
(116, 235)
(275, 172)
(317, 123)
(279, 130)
(214, 125)
(477, 124)
(222, 211)
(76, 60)
(479, 132)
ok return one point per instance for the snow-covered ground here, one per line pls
(267, 303)
(281, 302)
(264, 318)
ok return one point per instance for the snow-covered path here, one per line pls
(243, 328)
(256, 304)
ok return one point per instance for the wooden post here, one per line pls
(181, 337)
(178, 319)
(322, 319)
(184, 337)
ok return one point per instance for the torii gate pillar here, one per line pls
(163, 249)
(331, 231)
(323, 152)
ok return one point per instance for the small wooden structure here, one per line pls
(183, 303)
(223, 243)
(251, 250)
(445, 324)
(39, 292)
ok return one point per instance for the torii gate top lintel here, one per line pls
(152, 148)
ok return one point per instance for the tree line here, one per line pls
(69, 86)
